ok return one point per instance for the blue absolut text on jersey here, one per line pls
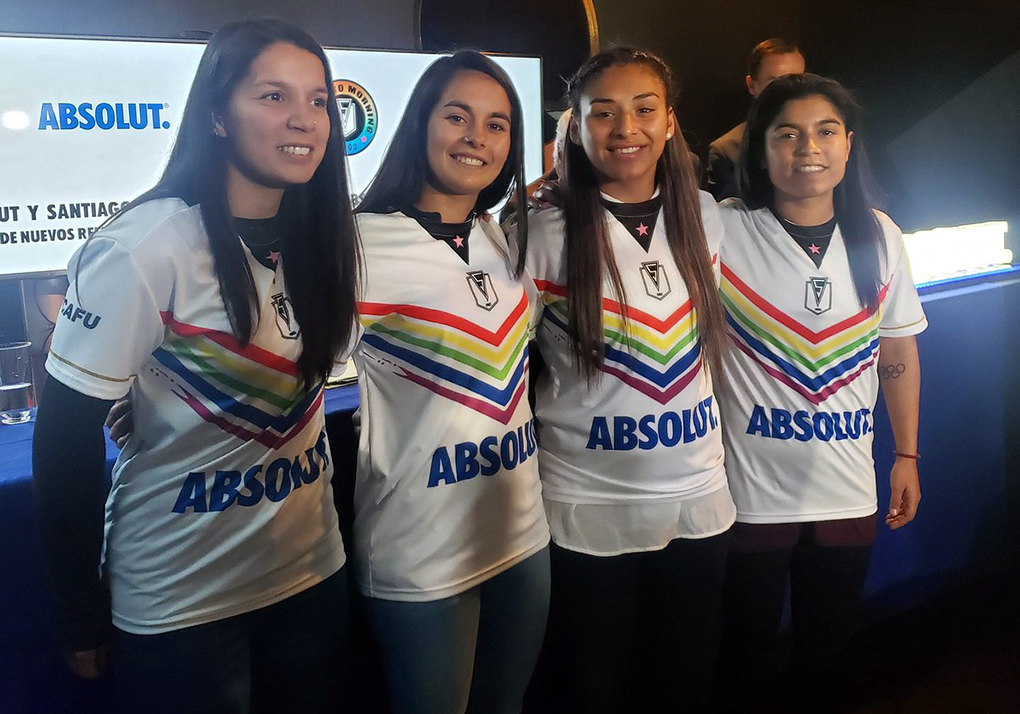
(805, 426)
(274, 481)
(624, 433)
(485, 458)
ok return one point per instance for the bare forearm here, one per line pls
(899, 370)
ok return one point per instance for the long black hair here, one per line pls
(405, 170)
(855, 196)
(315, 219)
(588, 247)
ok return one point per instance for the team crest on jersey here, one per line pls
(285, 317)
(653, 275)
(482, 289)
(818, 295)
(358, 116)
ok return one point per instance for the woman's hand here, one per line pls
(546, 194)
(906, 493)
(88, 664)
(120, 421)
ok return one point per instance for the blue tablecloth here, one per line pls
(970, 418)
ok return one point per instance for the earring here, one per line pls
(669, 135)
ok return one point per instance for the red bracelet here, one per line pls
(901, 454)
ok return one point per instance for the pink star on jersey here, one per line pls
(814, 249)
(642, 229)
(458, 241)
(274, 256)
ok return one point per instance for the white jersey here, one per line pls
(801, 369)
(447, 491)
(221, 500)
(647, 432)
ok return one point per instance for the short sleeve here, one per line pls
(535, 303)
(902, 314)
(546, 235)
(109, 323)
(343, 365)
(712, 221)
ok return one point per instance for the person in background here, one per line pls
(822, 311)
(450, 539)
(221, 298)
(769, 59)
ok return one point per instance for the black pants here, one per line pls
(825, 598)
(284, 658)
(636, 632)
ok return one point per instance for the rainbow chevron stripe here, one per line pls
(658, 358)
(244, 390)
(816, 365)
(450, 356)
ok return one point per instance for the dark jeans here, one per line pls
(287, 657)
(634, 632)
(825, 596)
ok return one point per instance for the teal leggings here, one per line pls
(473, 652)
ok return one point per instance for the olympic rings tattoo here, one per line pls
(891, 371)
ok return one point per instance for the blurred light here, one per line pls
(947, 253)
(15, 120)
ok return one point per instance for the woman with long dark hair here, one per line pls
(449, 533)
(821, 311)
(221, 298)
(630, 448)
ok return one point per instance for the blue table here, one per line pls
(969, 444)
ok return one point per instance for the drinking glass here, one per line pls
(15, 383)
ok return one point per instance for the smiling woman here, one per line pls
(273, 122)
(822, 311)
(449, 534)
(221, 299)
(421, 149)
(468, 143)
(630, 445)
(806, 150)
(623, 135)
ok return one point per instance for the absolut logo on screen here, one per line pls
(104, 115)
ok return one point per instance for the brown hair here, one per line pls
(771, 46)
(589, 251)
